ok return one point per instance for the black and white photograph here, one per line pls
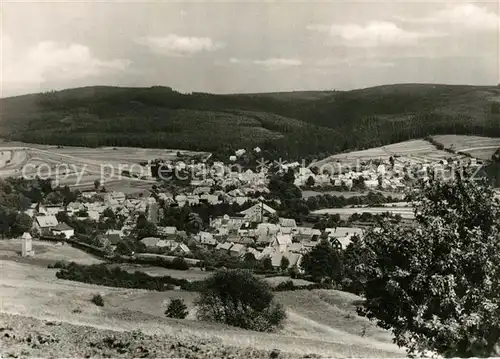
(249, 179)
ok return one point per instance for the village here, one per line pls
(251, 228)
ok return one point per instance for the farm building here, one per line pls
(44, 224)
(63, 229)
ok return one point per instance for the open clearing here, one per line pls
(46, 252)
(190, 274)
(478, 147)
(321, 322)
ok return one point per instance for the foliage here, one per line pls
(177, 309)
(237, 298)
(357, 261)
(284, 263)
(323, 261)
(194, 224)
(144, 228)
(98, 300)
(102, 274)
(437, 286)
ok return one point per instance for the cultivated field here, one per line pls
(80, 166)
(325, 324)
(309, 193)
(478, 147)
(417, 151)
(404, 212)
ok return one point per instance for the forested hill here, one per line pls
(292, 124)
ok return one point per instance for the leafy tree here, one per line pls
(22, 223)
(289, 176)
(284, 263)
(82, 213)
(249, 260)
(108, 213)
(177, 309)
(4, 222)
(148, 229)
(195, 224)
(437, 286)
(237, 298)
(357, 259)
(274, 218)
(267, 263)
(323, 261)
(98, 300)
(310, 181)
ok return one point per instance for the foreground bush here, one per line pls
(237, 298)
(177, 309)
(437, 285)
(98, 300)
(101, 274)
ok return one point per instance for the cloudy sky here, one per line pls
(250, 46)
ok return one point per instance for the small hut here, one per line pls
(27, 249)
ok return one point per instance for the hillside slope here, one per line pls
(290, 124)
(31, 290)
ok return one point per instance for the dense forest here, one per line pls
(288, 126)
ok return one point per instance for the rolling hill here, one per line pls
(290, 124)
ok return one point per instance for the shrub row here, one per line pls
(288, 285)
(101, 274)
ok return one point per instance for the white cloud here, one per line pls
(373, 34)
(175, 45)
(469, 16)
(50, 61)
(369, 61)
(277, 62)
(272, 63)
(234, 60)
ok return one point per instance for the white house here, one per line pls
(281, 242)
(64, 229)
(27, 249)
(45, 223)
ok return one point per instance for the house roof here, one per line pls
(344, 241)
(150, 241)
(288, 222)
(47, 221)
(276, 258)
(114, 238)
(224, 246)
(345, 231)
(162, 243)
(237, 248)
(267, 228)
(169, 230)
(265, 238)
(294, 259)
(268, 251)
(306, 231)
(283, 239)
(255, 253)
(295, 247)
(244, 240)
(62, 227)
(184, 248)
(257, 208)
